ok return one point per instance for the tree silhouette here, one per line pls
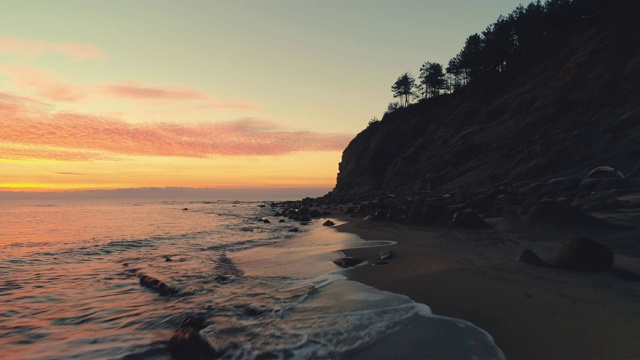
(431, 79)
(404, 88)
(513, 43)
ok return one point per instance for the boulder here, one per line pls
(583, 254)
(155, 284)
(347, 262)
(578, 254)
(466, 219)
(315, 213)
(384, 255)
(529, 257)
(187, 343)
(610, 184)
(604, 172)
(328, 223)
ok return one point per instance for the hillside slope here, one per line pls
(576, 108)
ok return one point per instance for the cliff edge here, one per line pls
(574, 106)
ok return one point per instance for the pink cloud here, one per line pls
(45, 82)
(132, 91)
(54, 88)
(81, 137)
(32, 48)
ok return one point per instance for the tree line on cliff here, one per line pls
(512, 43)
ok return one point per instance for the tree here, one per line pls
(431, 79)
(404, 88)
(393, 106)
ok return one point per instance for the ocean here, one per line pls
(69, 290)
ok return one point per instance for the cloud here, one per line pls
(54, 88)
(70, 136)
(33, 48)
(45, 82)
(133, 91)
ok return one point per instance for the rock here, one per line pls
(315, 213)
(350, 210)
(187, 343)
(384, 255)
(167, 258)
(254, 309)
(433, 211)
(528, 256)
(266, 221)
(282, 220)
(262, 205)
(588, 184)
(584, 254)
(155, 284)
(465, 219)
(295, 229)
(185, 209)
(604, 172)
(347, 262)
(328, 223)
(610, 184)
(246, 229)
(548, 212)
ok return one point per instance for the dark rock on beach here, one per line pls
(577, 253)
(465, 219)
(528, 256)
(347, 262)
(328, 223)
(582, 254)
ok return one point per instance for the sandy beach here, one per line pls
(531, 312)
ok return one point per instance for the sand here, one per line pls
(531, 312)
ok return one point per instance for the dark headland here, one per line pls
(515, 200)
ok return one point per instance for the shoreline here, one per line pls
(531, 312)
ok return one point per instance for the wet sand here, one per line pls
(531, 312)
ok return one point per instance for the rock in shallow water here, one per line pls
(347, 262)
(187, 343)
(155, 284)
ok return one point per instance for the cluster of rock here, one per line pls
(299, 210)
(602, 189)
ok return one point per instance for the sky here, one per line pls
(206, 94)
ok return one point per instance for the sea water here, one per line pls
(68, 286)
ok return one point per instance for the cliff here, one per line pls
(573, 106)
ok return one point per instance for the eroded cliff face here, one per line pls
(576, 109)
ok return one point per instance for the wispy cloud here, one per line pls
(54, 88)
(47, 84)
(135, 91)
(69, 136)
(32, 48)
